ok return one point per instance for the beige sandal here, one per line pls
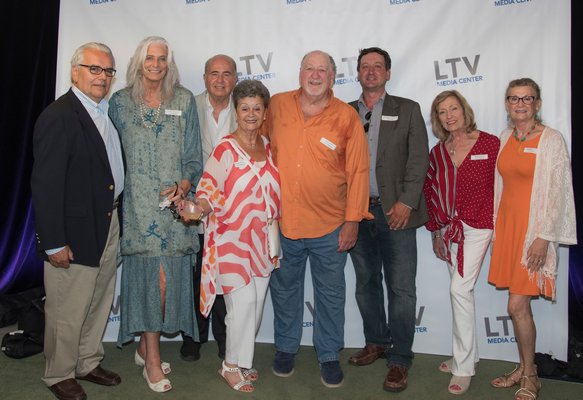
(459, 384)
(243, 385)
(527, 394)
(446, 365)
(508, 380)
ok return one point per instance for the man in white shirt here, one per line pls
(216, 115)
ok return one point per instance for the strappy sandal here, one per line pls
(507, 380)
(523, 392)
(243, 385)
(250, 374)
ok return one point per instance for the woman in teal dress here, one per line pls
(158, 125)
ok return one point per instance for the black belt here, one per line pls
(374, 201)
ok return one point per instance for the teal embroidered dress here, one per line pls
(161, 146)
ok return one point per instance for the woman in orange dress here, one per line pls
(534, 212)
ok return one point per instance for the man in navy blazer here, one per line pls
(76, 182)
(387, 245)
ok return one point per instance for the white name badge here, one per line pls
(177, 113)
(532, 150)
(328, 144)
(479, 157)
(390, 117)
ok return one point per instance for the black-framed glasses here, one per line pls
(525, 99)
(97, 70)
(366, 125)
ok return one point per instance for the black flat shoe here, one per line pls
(190, 350)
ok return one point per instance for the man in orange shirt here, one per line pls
(320, 147)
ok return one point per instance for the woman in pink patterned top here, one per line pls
(238, 190)
(459, 189)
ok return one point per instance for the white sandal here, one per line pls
(250, 374)
(140, 362)
(158, 387)
(242, 381)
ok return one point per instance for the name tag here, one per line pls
(177, 113)
(328, 144)
(479, 157)
(390, 117)
(531, 150)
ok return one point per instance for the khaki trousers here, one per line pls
(77, 306)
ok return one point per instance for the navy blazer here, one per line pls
(72, 183)
(402, 157)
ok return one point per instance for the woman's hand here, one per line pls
(189, 210)
(275, 261)
(181, 191)
(177, 192)
(536, 255)
(439, 248)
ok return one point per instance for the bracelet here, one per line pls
(435, 235)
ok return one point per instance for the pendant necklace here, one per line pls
(451, 150)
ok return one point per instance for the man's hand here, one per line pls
(62, 258)
(348, 236)
(398, 216)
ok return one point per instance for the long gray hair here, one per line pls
(135, 73)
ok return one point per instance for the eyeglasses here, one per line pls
(525, 99)
(366, 125)
(97, 70)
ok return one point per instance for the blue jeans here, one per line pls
(380, 251)
(287, 295)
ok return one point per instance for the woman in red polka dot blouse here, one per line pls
(459, 189)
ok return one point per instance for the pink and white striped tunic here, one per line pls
(236, 231)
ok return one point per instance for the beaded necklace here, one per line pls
(523, 138)
(144, 113)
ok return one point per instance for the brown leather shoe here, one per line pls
(396, 379)
(69, 389)
(102, 377)
(369, 354)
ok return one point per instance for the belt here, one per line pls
(374, 201)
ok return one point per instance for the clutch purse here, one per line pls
(273, 241)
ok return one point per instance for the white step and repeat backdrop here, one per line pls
(474, 46)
